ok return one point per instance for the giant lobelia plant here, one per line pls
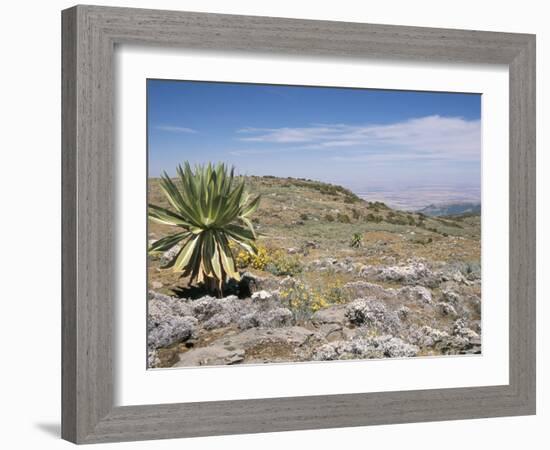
(211, 209)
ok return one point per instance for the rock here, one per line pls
(416, 294)
(332, 332)
(152, 358)
(445, 309)
(232, 349)
(361, 289)
(331, 315)
(456, 276)
(262, 295)
(169, 255)
(262, 311)
(156, 285)
(210, 356)
(450, 297)
(414, 272)
(332, 264)
(460, 329)
(311, 244)
(366, 348)
(164, 312)
(372, 313)
(277, 317)
(207, 307)
(152, 295)
(403, 313)
(438, 340)
(219, 320)
(172, 329)
(254, 283)
(247, 321)
(292, 251)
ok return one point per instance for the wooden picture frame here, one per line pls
(90, 34)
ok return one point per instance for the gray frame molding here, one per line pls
(89, 36)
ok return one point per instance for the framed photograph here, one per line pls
(267, 222)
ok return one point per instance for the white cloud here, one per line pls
(431, 137)
(175, 129)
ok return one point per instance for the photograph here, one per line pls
(301, 224)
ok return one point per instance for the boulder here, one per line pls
(276, 317)
(210, 356)
(366, 348)
(361, 289)
(331, 315)
(416, 294)
(262, 295)
(232, 349)
(172, 329)
(415, 272)
(372, 313)
(445, 309)
(450, 297)
(438, 340)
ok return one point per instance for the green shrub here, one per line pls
(304, 301)
(343, 218)
(282, 264)
(373, 218)
(356, 240)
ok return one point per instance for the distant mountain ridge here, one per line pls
(451, 209)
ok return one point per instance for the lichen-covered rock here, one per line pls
(220, 312)
(331, 264)
(211, 356)
(427, 336)
(262, 295)
(415, 272)
(170, 330)
(372, 313)
(254, 283)
(404, 313)
(450, 297)
(362, 289)
(169, 320)
(445, 309)
(276, 317)
(333, 314)
(366, 348)
(220, 320)
(169, 255)
(416, 294)
(438, 340)
(332, 332)
(460, 329)
(233, 348)
(152, 358)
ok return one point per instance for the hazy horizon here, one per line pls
(406, 148)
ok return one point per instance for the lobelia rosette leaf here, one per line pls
(212, 209)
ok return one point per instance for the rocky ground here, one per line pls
(411, 287)
(435, 312)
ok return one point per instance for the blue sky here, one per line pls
(360, 138)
